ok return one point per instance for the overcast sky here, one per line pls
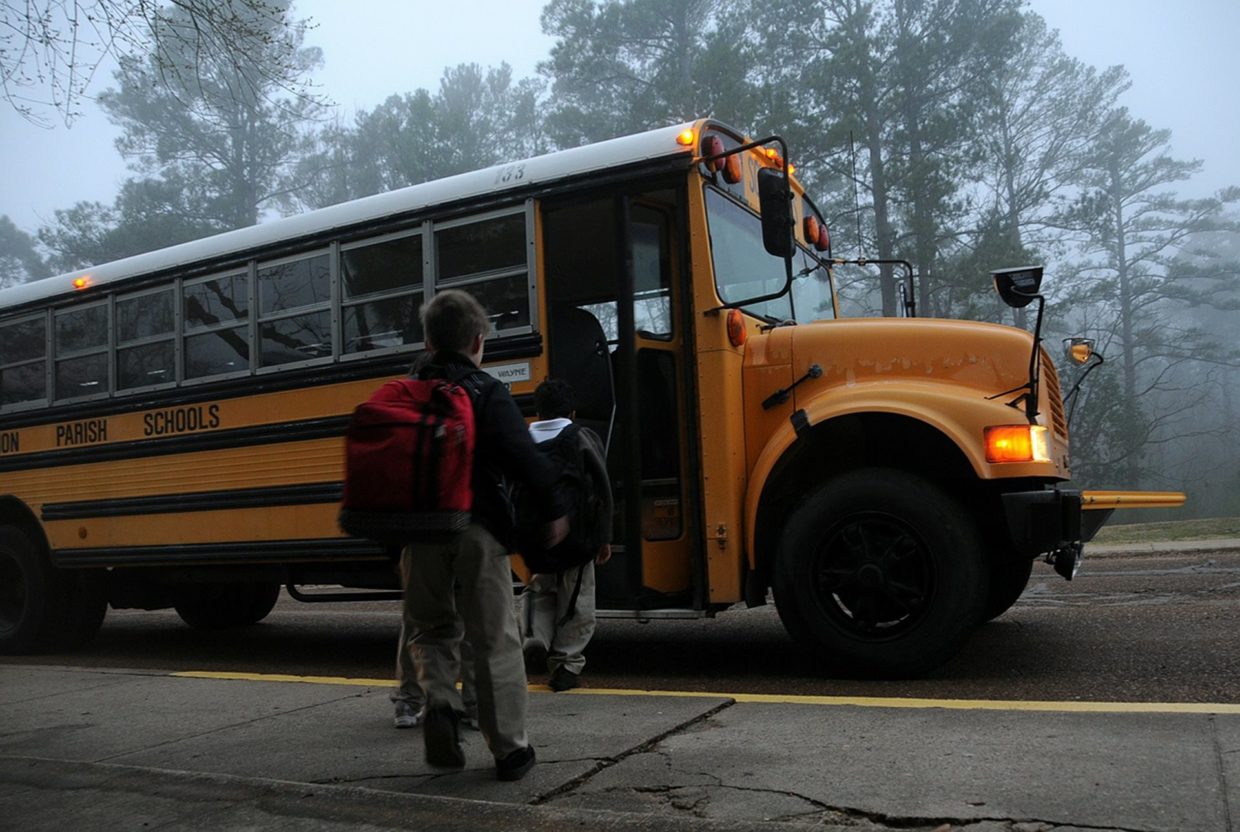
(1183, 58)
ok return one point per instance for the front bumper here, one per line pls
(1058, 521)
(1043, 521)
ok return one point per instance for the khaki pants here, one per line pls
(546, 599)
(479, 564)
(408, 689)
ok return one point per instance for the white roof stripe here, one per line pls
(537, 171)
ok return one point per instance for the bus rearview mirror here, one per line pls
(774, 200)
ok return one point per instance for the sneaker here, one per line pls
(564, 679)
(535, 656)
(443, 738)
(515, 765)
(407, 716)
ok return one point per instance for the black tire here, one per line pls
(881, 571)
(43, 608)
(1008, 578)
(85, 605)
(222, 605)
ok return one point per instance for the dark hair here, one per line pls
(554, 399)
(452, 319)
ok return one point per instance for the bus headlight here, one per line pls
(1018, 443)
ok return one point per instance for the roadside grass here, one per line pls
(1204, 529)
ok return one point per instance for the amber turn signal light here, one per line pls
(736, 328)
(1017, 443)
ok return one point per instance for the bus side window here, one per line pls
(294, 320)
(145, 345)
(23, 361)
(652, 295)
(489, 258)
(81, 352)
(381, 292)
(216, 329)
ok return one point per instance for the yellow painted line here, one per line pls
(283, 677)
(794, 699)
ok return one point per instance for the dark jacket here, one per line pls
(503, 449)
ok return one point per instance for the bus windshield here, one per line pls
(744, 269)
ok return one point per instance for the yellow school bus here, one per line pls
(171, 424)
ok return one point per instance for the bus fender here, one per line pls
(918, 405)
(14, 512)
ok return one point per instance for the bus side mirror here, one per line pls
(775, 202)
(1080, 350)
(1018, 286)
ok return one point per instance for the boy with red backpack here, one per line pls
(475, 557)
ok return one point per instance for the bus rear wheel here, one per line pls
(882, 572)
(41, 607)
(216, 606)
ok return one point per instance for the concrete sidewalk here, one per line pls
(84, 749)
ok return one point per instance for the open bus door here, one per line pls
(614, 332)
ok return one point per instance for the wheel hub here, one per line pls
(871, 576)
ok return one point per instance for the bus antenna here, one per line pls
(852, 155)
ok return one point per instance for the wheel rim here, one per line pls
(12, 593)
(872, 576)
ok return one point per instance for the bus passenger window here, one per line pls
(296, 284)
(381, 292)
(652, 301)
(216, 353)
(81, 352)
(145, 350)
(216, 332)
(488, 258)
(293, 285)
(506, 301)
(23, 361)
(216, 301)
(295, 338)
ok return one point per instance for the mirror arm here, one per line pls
(1076, 388)
(907, 288)
(787, 287)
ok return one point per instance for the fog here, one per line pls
(1183, 63)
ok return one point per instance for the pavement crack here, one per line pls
(826, 813)
(607, 762)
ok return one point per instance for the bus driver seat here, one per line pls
(579, 355)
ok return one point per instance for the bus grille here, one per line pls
(1050, 378)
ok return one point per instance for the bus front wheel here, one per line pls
(882, 572)
(41, 607)
(218, 605)
(1009, 575)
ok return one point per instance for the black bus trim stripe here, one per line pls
(238, 498)
(246, 552)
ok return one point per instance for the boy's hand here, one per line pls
(604, 554)
(555, 531)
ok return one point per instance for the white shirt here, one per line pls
(548, 429)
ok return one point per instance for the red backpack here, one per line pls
(409, 452)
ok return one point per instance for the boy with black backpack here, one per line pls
(559, 597)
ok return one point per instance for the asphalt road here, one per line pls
(1151, 627)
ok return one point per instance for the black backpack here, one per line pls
(579, 492)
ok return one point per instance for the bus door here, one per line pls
(612, 264)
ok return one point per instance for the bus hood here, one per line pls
(988, 357)
(957, 374)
